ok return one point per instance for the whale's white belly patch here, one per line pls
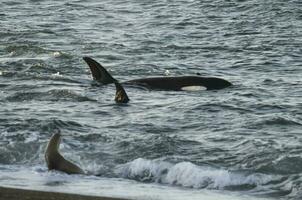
(194, 88)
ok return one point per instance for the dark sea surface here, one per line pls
(242, 140)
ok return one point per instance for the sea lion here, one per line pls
(55, 161)
(100, 74)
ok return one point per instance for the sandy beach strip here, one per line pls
(22, 194)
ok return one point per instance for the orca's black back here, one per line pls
(177, 83)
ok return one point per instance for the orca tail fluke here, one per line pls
(99, 73)
(120, 95)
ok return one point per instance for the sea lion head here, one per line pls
(54, 143)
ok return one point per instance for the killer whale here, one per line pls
(100, 74)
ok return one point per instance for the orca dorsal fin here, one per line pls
(120, 95)
(99, 73)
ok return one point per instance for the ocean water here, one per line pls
(237, 143)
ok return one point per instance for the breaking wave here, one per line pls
(187, 174)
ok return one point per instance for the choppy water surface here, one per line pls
(244, 140)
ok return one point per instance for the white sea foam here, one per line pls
(57, 54)
(187, 174)
(34, 136)
(39, 178)
(58, 74)
(143, 169)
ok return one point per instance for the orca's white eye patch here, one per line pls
(194, 88)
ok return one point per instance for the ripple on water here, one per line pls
(284, 165)
(18, 126)
(27, 49)
(51, 95)
(277, 121)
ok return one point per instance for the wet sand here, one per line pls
(22, 194)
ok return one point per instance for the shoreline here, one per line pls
(28, 194)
